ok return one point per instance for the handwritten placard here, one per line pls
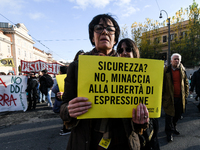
(12, 93)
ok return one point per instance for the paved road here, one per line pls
(189, 127)
(39, 130)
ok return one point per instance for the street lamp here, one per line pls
(169, 53)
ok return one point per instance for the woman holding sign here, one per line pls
(128, 48)
(97, 134)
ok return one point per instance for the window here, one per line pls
(9, 50)
(182, 35)
(164, 39)
(30, 55)
(156, 40)
(25, 53)
(171, 37)
(18, 51)
(0, 46)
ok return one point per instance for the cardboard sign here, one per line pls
(61, 81)
(116, 85)
(12, 93)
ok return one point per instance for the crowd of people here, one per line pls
(137, 133)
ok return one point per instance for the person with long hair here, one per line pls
(148, 141)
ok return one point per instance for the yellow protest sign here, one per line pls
(61, 81)
(7, 62)
(116, 85)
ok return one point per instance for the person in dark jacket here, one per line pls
(43, 87)
(87, 133)
(32, 90)
(175, 92)
(58, 100)
(149, 138)
(41, 95)
(195, 83)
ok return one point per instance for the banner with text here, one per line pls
(7, 62)
(36, 66)
(12, 93)
(116, 85)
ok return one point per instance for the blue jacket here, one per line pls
(56, 106)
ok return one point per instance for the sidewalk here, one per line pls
(189, 127)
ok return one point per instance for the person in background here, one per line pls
(195, 83)
(175, 92)
(2, 73)
(44, 81)
(87, 133)
(58, 100)
(10, 73)
(32, 90)
(128, 48)
(41, 98)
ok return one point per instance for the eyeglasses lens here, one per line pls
(99, 29)
(120, 50)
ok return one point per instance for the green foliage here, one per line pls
(185, 26)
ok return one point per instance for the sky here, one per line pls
(62, 25)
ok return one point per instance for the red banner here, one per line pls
(36, 66)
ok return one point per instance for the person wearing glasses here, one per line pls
(86, 134)
(128, 48)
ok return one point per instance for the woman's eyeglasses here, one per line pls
(120, 50)
(99, 29)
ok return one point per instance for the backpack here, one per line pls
(49, 81)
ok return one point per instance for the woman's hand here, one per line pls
(142, 114)
(78, 106)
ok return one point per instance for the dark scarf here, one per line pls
(99, 53)
(102, 125)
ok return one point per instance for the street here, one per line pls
(39, 130)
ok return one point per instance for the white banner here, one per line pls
(12, 93)
(39, 65)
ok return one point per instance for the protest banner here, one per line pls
(39, 65)
(116, 85)
(12, 93)
(7, 62)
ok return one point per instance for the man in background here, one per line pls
(41, 98)
(46, 83)
(175, 92)
(32, 90)
(195, 83)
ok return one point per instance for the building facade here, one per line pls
(160, 37)
(16, 43)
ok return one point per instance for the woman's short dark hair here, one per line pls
(78, 53)
(96, 21)
(130, 43)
